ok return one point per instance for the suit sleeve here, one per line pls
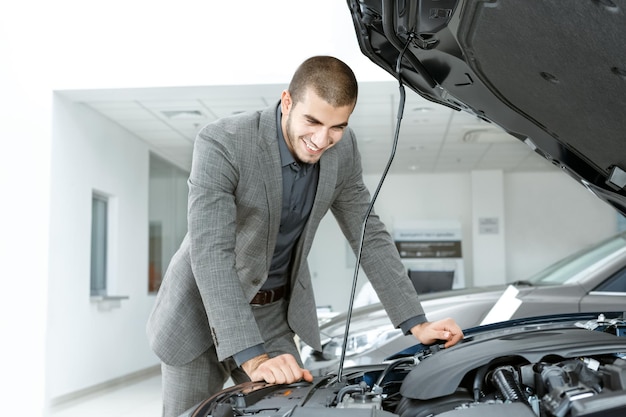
(380, 259)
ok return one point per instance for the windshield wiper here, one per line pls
(522, 283)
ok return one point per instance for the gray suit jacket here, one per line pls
(235, 195)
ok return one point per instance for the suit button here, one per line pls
(256, 281)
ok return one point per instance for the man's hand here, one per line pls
(282, 369)
(446, 329)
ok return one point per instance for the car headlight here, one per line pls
(359, 342)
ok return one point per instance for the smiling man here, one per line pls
(239, 287)
(315, 125)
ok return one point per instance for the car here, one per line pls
(587, 280)
(564, 365)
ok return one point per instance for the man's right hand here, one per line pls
(282, 369)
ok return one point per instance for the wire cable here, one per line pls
(371, 206)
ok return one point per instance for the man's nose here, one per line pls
(321, 138)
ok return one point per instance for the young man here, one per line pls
(239, 287)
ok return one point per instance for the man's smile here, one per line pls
(310, 145)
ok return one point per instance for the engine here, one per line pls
(518, 371)
(575, 387)
(555, 385)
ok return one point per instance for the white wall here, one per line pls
(547, 217)
(488, 228)
(90, 342)
(24, 184)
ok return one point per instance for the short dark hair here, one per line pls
(329, 77)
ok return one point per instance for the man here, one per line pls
(239, 287)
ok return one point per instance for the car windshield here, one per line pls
(575, 266)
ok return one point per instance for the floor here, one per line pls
(138, 398)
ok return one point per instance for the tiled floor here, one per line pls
(138, 398)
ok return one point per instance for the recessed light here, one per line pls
(183, 114)
(486, 136)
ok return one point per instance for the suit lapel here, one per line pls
(326, 184)
(323, 197)
(270, 171)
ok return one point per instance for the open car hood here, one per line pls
(552, 74)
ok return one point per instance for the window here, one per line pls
(621, 222)
(616, 284)
(167, 217)
(99, 241)
(580, 264)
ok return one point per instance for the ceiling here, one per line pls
(432, 139)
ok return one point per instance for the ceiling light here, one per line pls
(183, 114)
(486, 136)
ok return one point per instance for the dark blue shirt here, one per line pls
(299, 188)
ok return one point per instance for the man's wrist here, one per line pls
(408, 325)
(415, 330)
(249, 353)
(251, 365)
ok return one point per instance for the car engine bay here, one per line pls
(534, 370)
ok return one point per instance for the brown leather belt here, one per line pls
(269, 296)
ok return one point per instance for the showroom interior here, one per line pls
(102, 107)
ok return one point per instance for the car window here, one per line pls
(572, 268)
(617, 283)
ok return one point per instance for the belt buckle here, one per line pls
(261, 298)
(264, 297)
(268, 296)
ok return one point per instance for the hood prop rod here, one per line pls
(367, 214)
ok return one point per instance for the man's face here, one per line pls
(312, 126)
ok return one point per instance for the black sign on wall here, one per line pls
(429, 249)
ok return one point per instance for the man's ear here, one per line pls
(285, 102)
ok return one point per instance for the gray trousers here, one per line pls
(187, 385)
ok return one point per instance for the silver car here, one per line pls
(589, 280)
